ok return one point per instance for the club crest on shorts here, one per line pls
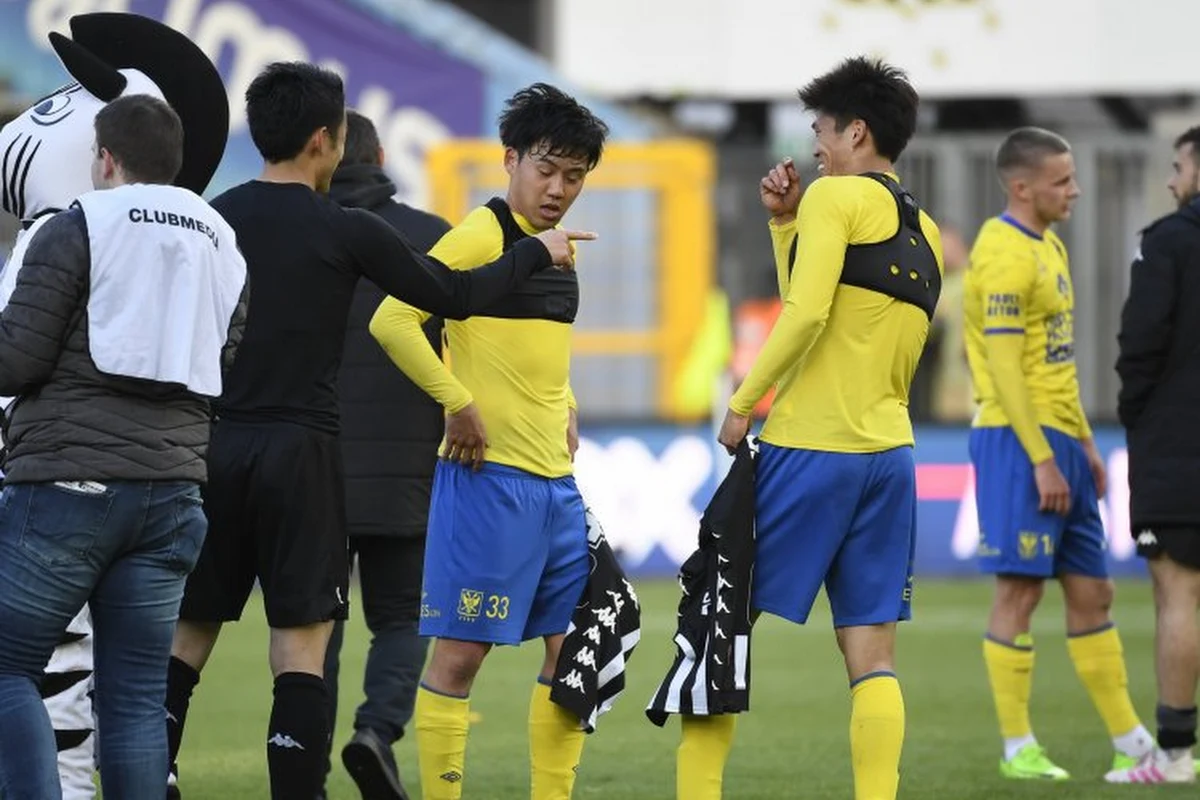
(469, 603)
(1028, 543)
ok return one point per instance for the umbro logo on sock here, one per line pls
(451, 777)
(283, 740)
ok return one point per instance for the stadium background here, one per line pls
(700, 96)
(678, 296)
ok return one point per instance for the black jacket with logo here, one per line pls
(391, 429)
(70, 421)
(1159, 366)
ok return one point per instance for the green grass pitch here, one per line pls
(793, 743)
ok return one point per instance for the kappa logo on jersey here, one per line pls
(469, 603)
(587, 657)
(573, 679)
(606, 617)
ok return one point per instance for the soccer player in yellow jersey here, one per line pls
(1038, 473)
(836, 481)
(506, 558)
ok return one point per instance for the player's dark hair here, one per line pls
(288, 102)
(1191, 136)
(873, 91)
(144, 136)
(1025, 148)
(362, 140)
(544, 117)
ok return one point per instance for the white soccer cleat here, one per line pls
(1157, 766)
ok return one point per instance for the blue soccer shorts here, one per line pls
(1014, 537)
(506, 556)
(847, 520)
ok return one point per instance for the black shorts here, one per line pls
(1180, 544)
(276, 509)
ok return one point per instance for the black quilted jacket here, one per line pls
(1159, 367)
(69, 421)
(390, 428)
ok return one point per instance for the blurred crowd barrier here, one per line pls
(648, 485)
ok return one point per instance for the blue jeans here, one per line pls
(126, 549)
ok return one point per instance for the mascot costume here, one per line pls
(45, 163)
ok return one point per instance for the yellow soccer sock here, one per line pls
(1100, 664)
(555, 746)
(876, 735)
(703, 749)
(441, 723)
(1010, 672)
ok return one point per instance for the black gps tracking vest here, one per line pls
(903, 267)
(551, 294)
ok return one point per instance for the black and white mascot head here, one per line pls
(46, 153)
(45, 163)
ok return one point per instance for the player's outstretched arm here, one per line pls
(423, 281)
(385, 257)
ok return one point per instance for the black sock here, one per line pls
(181, 680)
(1176, 727)
(298, 735)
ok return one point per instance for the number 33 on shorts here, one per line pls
(497, 607)
(471, 602)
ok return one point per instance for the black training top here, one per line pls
(304, 255)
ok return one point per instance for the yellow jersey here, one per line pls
(516, 371)
(1018, 286)
(842, 357)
